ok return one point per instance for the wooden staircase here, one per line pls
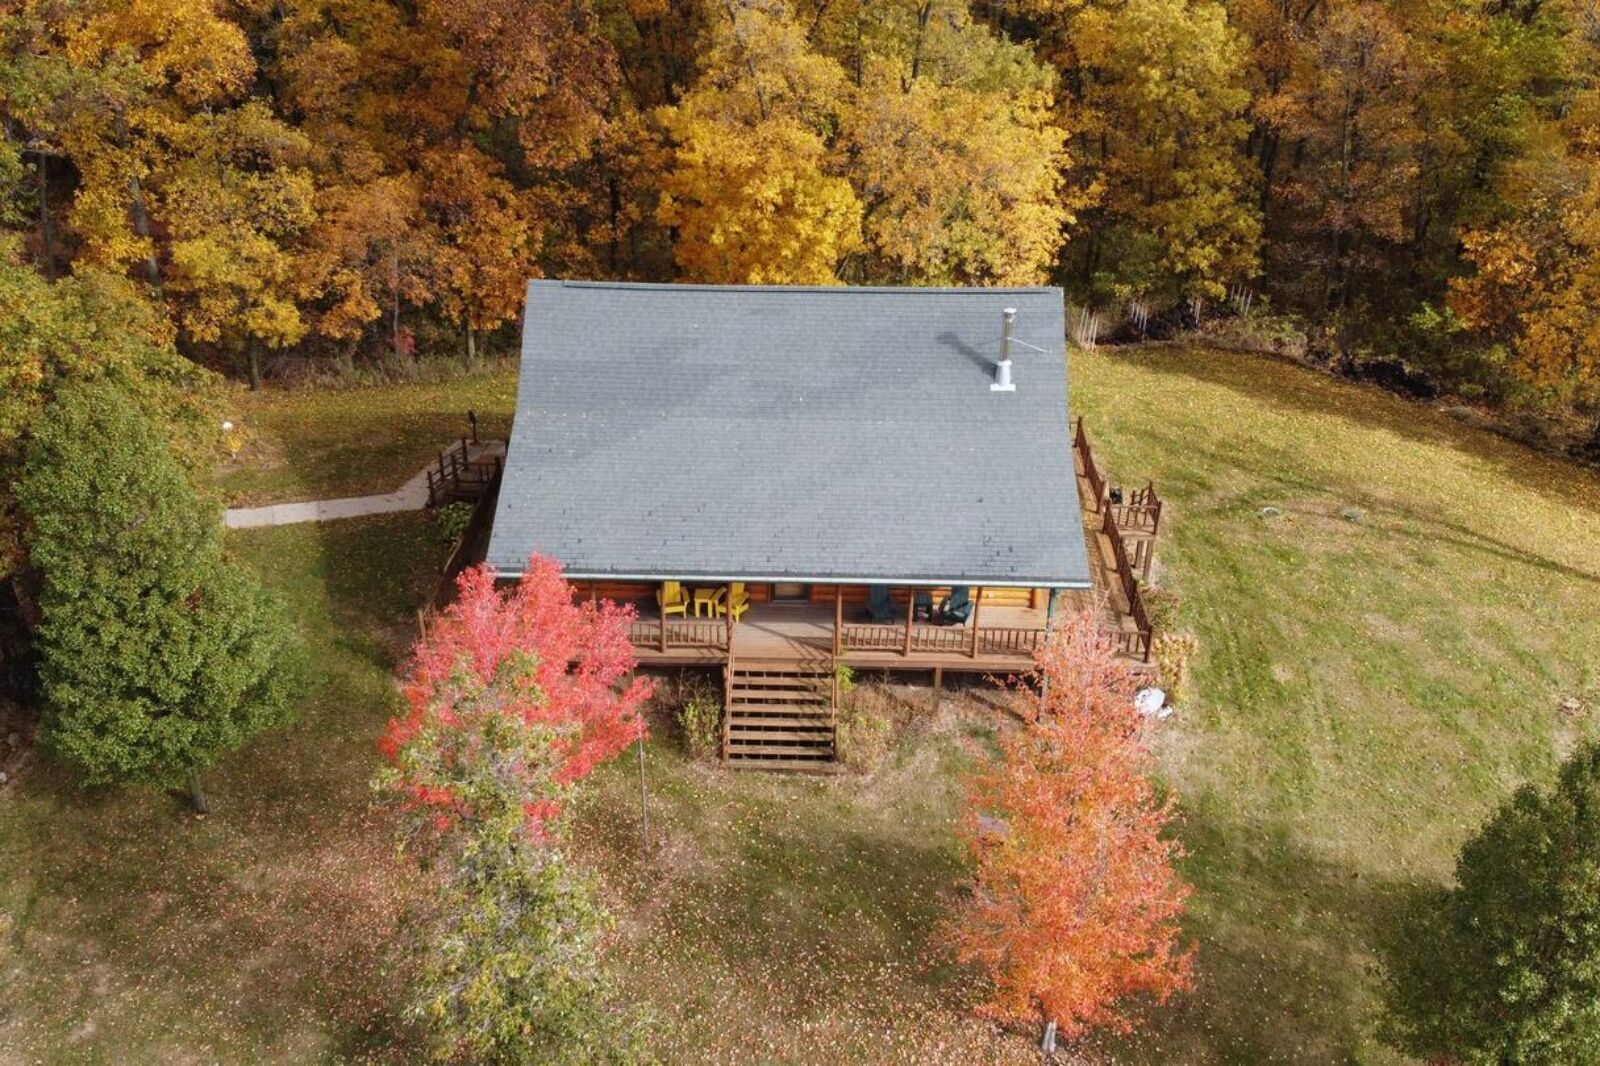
(779, 714)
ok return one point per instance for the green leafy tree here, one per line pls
(1505, 966)
(157, 654)
(88, 327)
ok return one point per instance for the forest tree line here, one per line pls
(1411, 179)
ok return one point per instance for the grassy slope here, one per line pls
(324, 443)
(1368, 691)
(792, 919)
(130, 932)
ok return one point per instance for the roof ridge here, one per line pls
(842, 290)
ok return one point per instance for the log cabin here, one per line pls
(786, 479)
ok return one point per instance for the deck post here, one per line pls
(728, 631)
(911, 613)
(838, 617)
(977, 606)
(663, 630)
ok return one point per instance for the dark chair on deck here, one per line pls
(880, 608)
(956, 608)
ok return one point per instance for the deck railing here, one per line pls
(1140, 513)
(949, 640)
(469, 549)
(1007, 640)
(1091, 472)
(458, 476)
(662, 634)
(1136, 643)
(873, 637)
(1130, 526)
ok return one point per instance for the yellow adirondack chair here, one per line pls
(738, 602)
(671, 598)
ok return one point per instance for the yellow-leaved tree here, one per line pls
(130, 75)
(483, 258)
(1535, 286)
(1158, 120)
(236, 199)
(954, 149)
(753, 194)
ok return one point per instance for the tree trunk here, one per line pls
(1269, 165)
(616, 222)
(924, 13)
(394, 285)
(253, 359)
(197, 796)
(141, 226)
(1594, 437)
(47, 237)
(472, 346)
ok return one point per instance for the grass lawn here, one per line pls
(793, 919)
(130, 932)
(305, 444)
(1366, 692)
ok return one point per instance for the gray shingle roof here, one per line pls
(711, 432)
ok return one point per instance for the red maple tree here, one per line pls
(1076, 903)
(531, 653)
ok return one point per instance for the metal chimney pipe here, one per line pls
(1002, 370)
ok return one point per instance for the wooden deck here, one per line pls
(1003, 641)
(1120, 538)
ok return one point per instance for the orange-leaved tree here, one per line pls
(1076, 903)
(553, 667)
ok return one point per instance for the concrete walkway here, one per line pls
(412, 496)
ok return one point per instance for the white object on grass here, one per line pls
(1151, 702)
